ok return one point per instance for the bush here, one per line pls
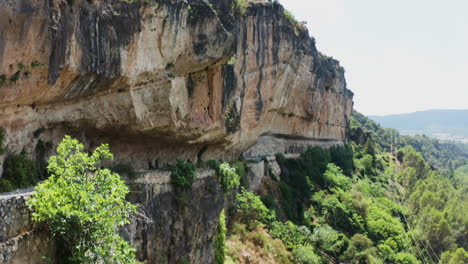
(183, 175)
(306, 255)
(20, 171)
(239, 7)
(251, 211)
(228, 177)
(290, 17)
(292, 235)
(329, 240)
(334, 178)
(220, 240)
(6, 186)
(84, 205)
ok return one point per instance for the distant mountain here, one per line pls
(441, 124)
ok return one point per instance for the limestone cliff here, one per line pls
(153, 78)
(160, 80)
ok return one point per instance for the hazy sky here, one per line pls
(399, 55)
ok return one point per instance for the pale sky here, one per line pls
(399, 55)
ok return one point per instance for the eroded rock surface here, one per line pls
(153, 78)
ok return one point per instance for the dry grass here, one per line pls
(255, 247)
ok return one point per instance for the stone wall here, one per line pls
(168, 228)
(21, 241)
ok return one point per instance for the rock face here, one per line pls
(165, 79)
(168, 228)
(160, 80)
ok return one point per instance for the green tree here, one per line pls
(83, 205)
(251, 210)
(228, 177)
(456, 257)
(220, 240)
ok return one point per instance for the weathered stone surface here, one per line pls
(152, 78)
(21, 242)
(169, 227)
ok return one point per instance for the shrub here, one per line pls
(329, 240)
(239, 7)
(292, 235)
(290, 17)
(6, 186)
(20, 171)
(183, 175)
(229, 178)
(334, 178)
(306, 255)
(83, 205)
(220, 240)
(251, 211)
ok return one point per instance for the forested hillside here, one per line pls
(355, 204)
(446, 124)
(445, 156)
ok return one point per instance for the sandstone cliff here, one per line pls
(158, 80)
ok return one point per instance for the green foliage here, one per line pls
(6, 186)
(228, 177)
(21, 66)
(360, 250)
(220, 240)
(446, 156)
(460, 175)
(239, 7)
(183, 175)
(2, 79)
(328, 240)
(232, 60)
(83, 205)
(15, 77)
(343, 157)
(19, 171)
(334, 178)
(290, 17)
(292, 235)
(251, 211)
(458, 256)
(305, 255)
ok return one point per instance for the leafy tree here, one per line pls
(458, 256)
(228, 177)
(329, 240)
(183, 175)
(305, 255)
(83, 205)
(292, 235)
(19, 171)
(251, 211)
(334, 178)
(220, 240)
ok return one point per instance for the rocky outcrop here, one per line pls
(165, 79)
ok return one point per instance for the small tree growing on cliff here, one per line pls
(83, 205)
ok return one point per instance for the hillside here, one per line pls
(442, 124)
(446, 156)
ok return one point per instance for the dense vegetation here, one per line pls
(83, 205)
(445, 156)
(356, 204)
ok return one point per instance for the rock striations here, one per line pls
(166, 79)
